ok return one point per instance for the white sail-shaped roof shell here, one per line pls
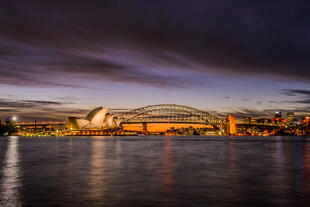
(82, 123)
(98, 118)
(108, 121)
(92, 113)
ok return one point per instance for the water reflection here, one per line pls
(146, 171)
(10, 183)
(232, 157)
(306, 163)
(168, 179)
(234, 179)
(97, 171)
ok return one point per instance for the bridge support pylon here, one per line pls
(231, 125)
(144, 127)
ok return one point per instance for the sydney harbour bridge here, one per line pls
(171, 113)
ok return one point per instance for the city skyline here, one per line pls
(59, 59)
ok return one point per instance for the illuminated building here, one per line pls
(263, 121)
(278, 115)
(290, 118)
(278, 118)
(253, 121)
(42, 128)
(247, 120)
(231, 125)
(305, 121)
(96, 119)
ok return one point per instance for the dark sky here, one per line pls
(239, 57)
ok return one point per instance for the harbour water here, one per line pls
(155, 171)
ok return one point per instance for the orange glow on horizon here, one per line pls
(161, 127)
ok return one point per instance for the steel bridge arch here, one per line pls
(202, 115)
(152, 110)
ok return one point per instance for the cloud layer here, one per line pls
(45, 43)
(302, 96)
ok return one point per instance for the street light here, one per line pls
(14, 118)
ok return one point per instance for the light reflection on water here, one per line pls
(167, 177)
(97, 171)
(155, 171)
(10, 181)
(306, 164)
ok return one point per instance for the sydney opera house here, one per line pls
(98, 118)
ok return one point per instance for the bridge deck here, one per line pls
(165, 122)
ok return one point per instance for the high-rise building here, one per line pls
(278, 115)
(290, 118)
(305, 121)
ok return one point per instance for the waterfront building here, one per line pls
(305, 121)
(290, 118)
(278, 115)
(40, 128)
(247, 120)
(96, 119)
(253, 120)
(263, 121)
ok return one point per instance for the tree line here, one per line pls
(7, 128)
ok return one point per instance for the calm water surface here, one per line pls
(155, 171)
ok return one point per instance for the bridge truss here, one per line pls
(170, 113)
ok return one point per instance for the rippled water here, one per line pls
(154, 171)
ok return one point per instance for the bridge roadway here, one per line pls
(166, 122)
(145, 123)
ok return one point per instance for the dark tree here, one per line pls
(7, 128)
